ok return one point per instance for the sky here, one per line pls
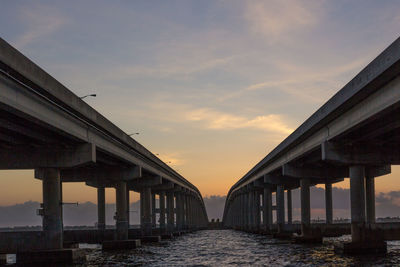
(211, 86)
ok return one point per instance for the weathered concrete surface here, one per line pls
(332, 230)
(121, 244)
(365, 248)
(167, 236)
(150, 239)
(90, 236)
(58, 256)
(10, 242)
(3, 259)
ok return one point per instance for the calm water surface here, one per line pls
(231, 248)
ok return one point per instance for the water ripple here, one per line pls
(232, 248)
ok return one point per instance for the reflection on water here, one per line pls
(226, 247)
(232, 248)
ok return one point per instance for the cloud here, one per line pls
(224, 121)
(181, 68)
(304, 83)
(40, 21)
(275, 19)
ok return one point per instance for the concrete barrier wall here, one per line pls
(11, 242)
(91, 236)
(332, 230)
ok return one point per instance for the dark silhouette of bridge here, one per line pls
(45, 127)
(355, 134)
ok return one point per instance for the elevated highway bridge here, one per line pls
(46, 127)
(355, 134)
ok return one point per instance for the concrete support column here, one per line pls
(246, 210)
(162, 211)
(328, 203)
(186, 211)
(241, 218)
(52, 208)
(146, 218)
(196, 213)
(190, 205)
(250, 214)
(280, 207)
(121, 215)
(153, 211)
(305, 206)
(370, 198)
(237, 211)
(101, 208)
(128, 214)
(179, 213)
(267, 208)
(170, 212)
(289, 205)
(357, 199)
(257, 210)
(141, 211)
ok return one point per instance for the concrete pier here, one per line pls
(101, 208)
(308, 234)
(121, 214)
(52, 209)
(364, 238)
(242, 211)
(267, 209)
(328, 203)
(147, 206)
(153, 210)
(170, 212)
(370, 198)
(162, 212)
(246, 210)
(128, 213)
(289, 206)
(357, 201)
(179, 209)
(305, 206)
(257, 210)
(280, 208)
(250, 210)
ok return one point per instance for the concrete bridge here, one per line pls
(45, 127)
(356, 135)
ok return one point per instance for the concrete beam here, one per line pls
(100, 173)
(281, 180)
(359, 155)
(101, 183)
(325, 172)
(31, 158)
(165, 186)
(145, 181)
(376, 171)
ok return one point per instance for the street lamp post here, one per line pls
(92, 95)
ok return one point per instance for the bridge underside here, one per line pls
(46, 128)
(355, 135)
